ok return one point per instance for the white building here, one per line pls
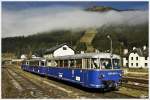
(137, 58)
(59, 50)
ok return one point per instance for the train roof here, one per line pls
(87, 55)
(37, 59)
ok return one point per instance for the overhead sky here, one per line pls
(119, 5)
(25, 18)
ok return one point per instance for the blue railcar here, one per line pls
(91, 70)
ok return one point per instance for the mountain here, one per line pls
(106, 8)
(100, 9)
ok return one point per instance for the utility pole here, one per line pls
(111, 55)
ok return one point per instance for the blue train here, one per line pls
(91, 70)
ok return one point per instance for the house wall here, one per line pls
(62, 52)
(143, 61)
(135, 63)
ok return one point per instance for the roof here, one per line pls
(87, 55)
(51, 50)
(36, 59)
(139, 51)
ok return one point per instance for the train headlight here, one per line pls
(101, 76)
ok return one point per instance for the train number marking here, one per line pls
(77, 78)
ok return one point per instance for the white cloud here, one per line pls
(26, 22)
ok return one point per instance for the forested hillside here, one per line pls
(39, 42)
(123, 37)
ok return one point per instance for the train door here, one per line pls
(85, 66)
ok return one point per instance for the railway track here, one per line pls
(135, 83)
(27, 87)
(135, 79)
(47, 87)
(137, 86)
(72, 90)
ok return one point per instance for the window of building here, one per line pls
(126, 58)
(145, 64)
(136, 58)
(145, 58)
(136, 64)
(64, 48)
(131, 58)
(131, 64)
(126, 64)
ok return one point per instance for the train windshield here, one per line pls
(116, 63)
(106, 63)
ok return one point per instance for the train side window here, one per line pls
(95, 63)
(34, 63)
(24, 62)
(87, 63)
(79, 63)
(27, 63)
(51, 63)
(65, 63)
(72, 63)
(42, 63)
(61, 63)
(58, 63)
(48, 63)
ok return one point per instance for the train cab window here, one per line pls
(106, 63)
(116, 63)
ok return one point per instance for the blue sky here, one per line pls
(143, 5)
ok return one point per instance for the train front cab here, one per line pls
(104, 75)
(86, 71)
